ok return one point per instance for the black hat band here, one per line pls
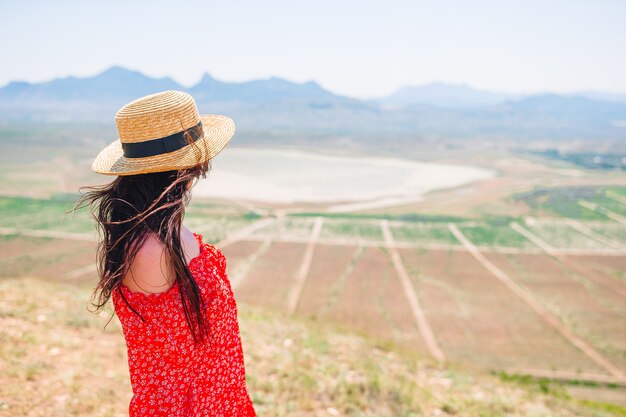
(159, 146)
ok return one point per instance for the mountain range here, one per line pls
(436, 109)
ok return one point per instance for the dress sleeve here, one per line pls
(217, 257)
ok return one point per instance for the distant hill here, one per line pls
(266, 104)
(260, 91)
(280, 105)
(619, 98)
(113, 85)
(449, 96)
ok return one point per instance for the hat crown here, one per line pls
(156, 116)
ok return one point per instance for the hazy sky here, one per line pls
(358, 48)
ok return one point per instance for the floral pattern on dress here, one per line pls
(170, 376)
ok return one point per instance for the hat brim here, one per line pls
(217, 132)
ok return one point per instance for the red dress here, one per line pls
(168, 374)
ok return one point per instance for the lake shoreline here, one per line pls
(342, 183)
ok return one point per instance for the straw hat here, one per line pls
(163, 132)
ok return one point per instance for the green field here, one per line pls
(564, 201)
(495, 235)
(44, 214)
(352, 230)
(215, 222)
(422, 233)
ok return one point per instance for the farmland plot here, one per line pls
(12, 246)
(289, 228)
(80, 268)
(613, 267)
(563, 201)
(496, 236)
(422, 233)
(31, 213)
(49, 259)
(613, 231)
(327, 275)
(195, 220)
(270, 278)
(563, 236)
(238, 257)
(238, 252)
(594, 312)
(613, 205)
(351, 230)
(372, 301)
(477, 320)
(214, 229)
(606, 277)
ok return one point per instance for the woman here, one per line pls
(169, 288)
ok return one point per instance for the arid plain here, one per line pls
(516, 277)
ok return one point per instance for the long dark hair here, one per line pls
(129, 208)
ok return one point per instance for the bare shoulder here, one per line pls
(150, 271)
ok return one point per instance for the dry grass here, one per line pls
(58, 360)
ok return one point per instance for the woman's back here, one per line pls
(151, 270)
(170, 375)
